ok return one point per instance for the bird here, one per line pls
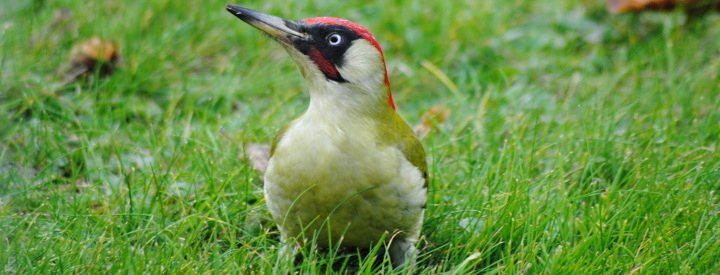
(349, 170)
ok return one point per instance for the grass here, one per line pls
(578, 142)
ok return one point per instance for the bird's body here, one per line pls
(326, 166)
(349, 170)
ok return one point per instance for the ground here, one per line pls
(577, 141)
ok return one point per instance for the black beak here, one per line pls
(285, 31)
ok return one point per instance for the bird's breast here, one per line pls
(342, 175)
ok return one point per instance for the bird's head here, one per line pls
(340, 59)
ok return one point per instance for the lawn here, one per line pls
(576, 141)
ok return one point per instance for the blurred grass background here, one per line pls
(577, 141)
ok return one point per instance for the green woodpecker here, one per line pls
(349, 169)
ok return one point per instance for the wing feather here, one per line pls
(405, 139)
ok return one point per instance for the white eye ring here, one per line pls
(334, 39)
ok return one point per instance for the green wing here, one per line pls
(277, 139)
(403, 136)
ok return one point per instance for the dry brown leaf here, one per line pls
(620, 6)
(433, 117)
(258, 155)
(90, 55)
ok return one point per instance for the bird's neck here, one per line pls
(342, 102)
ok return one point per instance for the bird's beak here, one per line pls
(282, 30)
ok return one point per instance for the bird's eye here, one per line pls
(334, 39)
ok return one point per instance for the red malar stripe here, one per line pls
(325, 66)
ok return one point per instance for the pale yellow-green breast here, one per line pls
(368, 176)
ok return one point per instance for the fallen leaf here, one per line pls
(258, 155)
(89, 56)
(620, 6)
(433, 117)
